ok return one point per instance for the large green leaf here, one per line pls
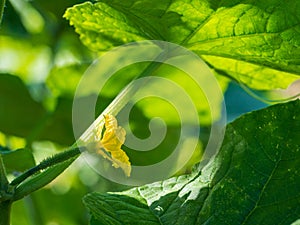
(250, 41)
(254, 179)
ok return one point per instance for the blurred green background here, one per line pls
(41, 62)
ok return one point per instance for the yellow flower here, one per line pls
(110, 144)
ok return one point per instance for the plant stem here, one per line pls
(2, 5)
(3, 179)
(120, 100)
(48, 162)
(5, 212)
(5, 205)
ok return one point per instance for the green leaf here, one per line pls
(133, 210)
(254, 76)
(100, 17)
(22, 116)
(18, 160)
(264, 33)
(41, 179)
(255, 42)
(19, 113)
(253, 179)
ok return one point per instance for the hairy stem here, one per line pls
(5, 212)
(2, 5)
(53, 160)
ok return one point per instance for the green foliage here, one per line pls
(245, 183)
(19, 112)
(239, 39)
(21, 115)
(252, 180)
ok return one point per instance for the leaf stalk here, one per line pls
(46, 163)
(3, 179)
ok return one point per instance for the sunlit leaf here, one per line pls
(245, 40)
